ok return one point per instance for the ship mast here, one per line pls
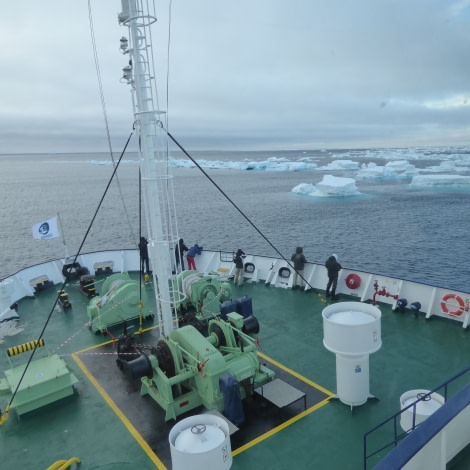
(157, 182)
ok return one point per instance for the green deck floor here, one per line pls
(416, 353)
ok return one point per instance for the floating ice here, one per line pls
(341, 165)
(443, 166)
(436, 181)
(397, 169)
(328, 187)
(451, 160)
(270, 164)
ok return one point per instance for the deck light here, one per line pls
(124, 45)
(127, 73)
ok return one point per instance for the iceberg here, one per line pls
(341, 165)
(392, 170)
(328, 187)
(443, 166)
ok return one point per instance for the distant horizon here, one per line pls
(319, 149)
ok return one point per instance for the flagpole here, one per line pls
(63, 237)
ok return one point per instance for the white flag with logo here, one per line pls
(45, 230)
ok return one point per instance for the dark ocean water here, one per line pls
(391, 228)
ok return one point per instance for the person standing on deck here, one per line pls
(144, 255)
(192, 252)
(238, 260)
(333, 268)
(299, 261)
(180, 248)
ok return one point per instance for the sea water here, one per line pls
(390, 228)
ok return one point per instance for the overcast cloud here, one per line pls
(246, 74)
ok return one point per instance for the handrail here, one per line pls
(226, 256)
(64, 464)
(394, 417)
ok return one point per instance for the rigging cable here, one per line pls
(105, 116)
(165, 127)
(226, 196)
(37, 342)
(235, 206)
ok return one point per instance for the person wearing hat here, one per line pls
(180, 248)
(192, 252)
(298, 258)
(144, 255)
(333, 268)
(238, 260)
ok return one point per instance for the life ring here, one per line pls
(249, 268)
(71, 271)
(284, 272)
(460, 309)
(353, 281)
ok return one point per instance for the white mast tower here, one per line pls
(157, 182)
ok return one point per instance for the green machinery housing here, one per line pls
(184, 370)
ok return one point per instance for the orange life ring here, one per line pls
(460, 308)
(353, 281)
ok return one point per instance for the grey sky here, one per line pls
(250, 74)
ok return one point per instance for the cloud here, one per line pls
(458, 8)
(245, 75)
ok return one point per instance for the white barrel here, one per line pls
(352, 328)
(352, 379)
(200, 442)
(422, 410)
(352, 331)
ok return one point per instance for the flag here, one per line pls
(45, 230)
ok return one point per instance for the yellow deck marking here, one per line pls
(295, 418)
(295, 374)
(148, 450)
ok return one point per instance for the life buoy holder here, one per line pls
(284, 272)
(353, 281)
(71, 271)
(249, 268)
(445, 305)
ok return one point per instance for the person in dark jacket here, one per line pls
(238, 260)
(180, 248)
(333, 268)
(192, 252)
(299, 261)
(144, 255)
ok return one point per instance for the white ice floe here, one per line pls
(270, 164)
(397, 169)
(454, 160)
(341, 165)
(443, 166)
(328, 187)
(437, 181)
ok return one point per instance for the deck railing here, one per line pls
(399, 435)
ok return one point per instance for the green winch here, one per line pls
(123, 299)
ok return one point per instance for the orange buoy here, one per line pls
(459, 309)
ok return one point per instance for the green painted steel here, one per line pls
(46, 380)
(416, 353)
(122, 299)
